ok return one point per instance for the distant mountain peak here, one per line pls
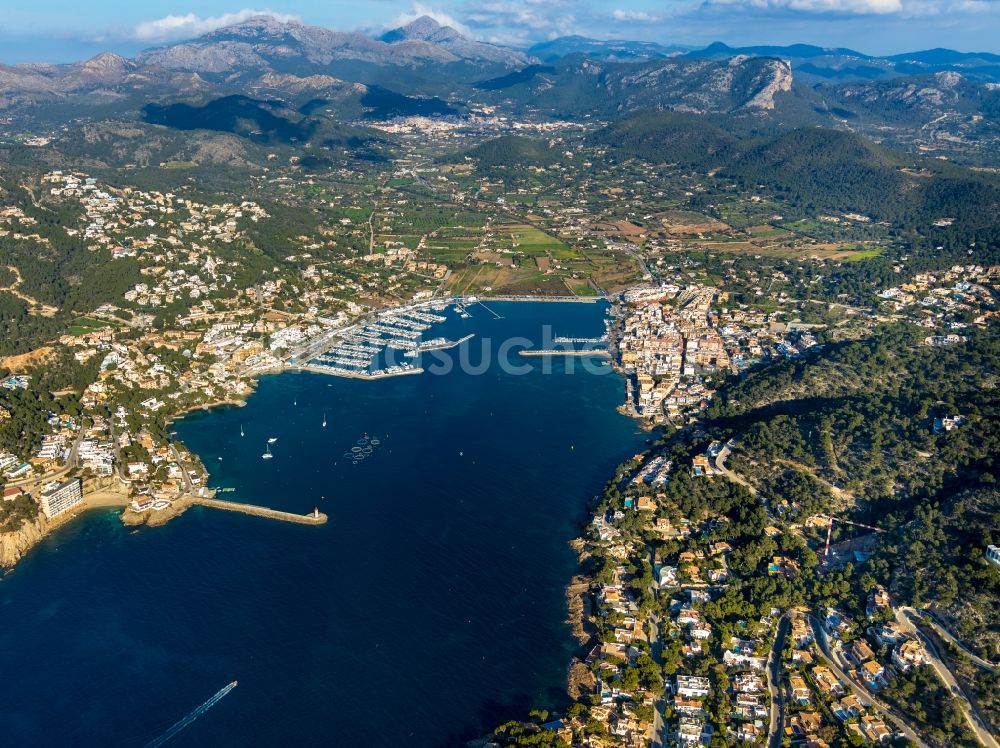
(424, 29)
(106, 60)
(427, 30)
(423, 26)
(718, 47)
(262, 25)
(106, 64)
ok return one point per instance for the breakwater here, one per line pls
(313, 518)
(536, 299)
(356, 374)
(566, 352)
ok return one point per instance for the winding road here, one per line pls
(905, 618)
(941, 631)
(46, 310)
(862, 693)
(720, 465)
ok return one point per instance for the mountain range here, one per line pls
(428, 68)
(810, 62)
(839, 64)
(263, 43)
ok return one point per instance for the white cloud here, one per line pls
(877, 7)
(635, 16)
(419, 9)
(189, 25)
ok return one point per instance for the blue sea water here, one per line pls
(428, 610)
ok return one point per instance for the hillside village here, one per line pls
(670, 661)
(666, 665)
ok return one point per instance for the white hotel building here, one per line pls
(59, 497)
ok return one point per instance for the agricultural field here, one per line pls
(456, 237)
(767, 231)
(521, 199)
(528, 240)
(850, 252)
(686, 223)
(580, 287)
(449, 257)
(802, 250)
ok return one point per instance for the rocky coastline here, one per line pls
(579, 617)
(149, 518)
(15, 544)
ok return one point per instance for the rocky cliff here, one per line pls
(13, 545)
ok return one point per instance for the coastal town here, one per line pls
(518, 374)
(666, 669)
(684, 641)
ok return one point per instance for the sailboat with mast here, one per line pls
(241, 430)
(324, 419)
(267, 453)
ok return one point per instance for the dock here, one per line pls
(442, 344)
(358, 374)
(601, 352)
(587, 341)
(563, 299)
(317, 518)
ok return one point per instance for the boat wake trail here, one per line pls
(191, 717)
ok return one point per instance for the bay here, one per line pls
(428, 610)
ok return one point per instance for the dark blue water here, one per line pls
(428, 610)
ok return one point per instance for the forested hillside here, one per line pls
(513, 152)
(853, 430)
(860, 416)
(670, 137)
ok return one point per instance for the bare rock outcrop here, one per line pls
(13, 545)
(580, 680)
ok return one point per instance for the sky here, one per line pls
(67, 30)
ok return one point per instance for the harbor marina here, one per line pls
(368, 350)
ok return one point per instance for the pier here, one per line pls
(526, 297)
(600, 352)
(495, 315)
(317, 518)
(338, 372)
(441, 343)
(430, 319)
(588, 341)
